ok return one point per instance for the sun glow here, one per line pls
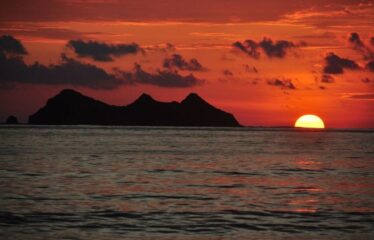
(309, 121)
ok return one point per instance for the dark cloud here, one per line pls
(336, 64)
(249, 69)
(360, 46)
(72, 72)
(69, 71)
(176, 61)
(14, 70)
(366, 51)
(271, 49)
(355, 39)
(10, 45)
(249, 47)
(227, 73)
(370, 66)
(277, 49)
(326, 78)
(162, 78)
(282, 83)
(100, 51)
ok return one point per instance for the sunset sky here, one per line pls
(267, 62)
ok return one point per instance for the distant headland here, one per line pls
(70, 107)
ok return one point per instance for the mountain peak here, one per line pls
(144, 98)
(69, 91)
(68, 94)
(193, 98)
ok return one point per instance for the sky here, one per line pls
(267, 62)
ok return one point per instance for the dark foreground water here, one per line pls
(185, 183)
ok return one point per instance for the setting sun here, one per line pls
(309, 121)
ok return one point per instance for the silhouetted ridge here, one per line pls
(72, 97)
(193, 97)
(194, 100)
(144, 99)
(71, 107)
(198, 112)
(69, 92)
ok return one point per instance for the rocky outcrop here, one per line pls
(11, 120)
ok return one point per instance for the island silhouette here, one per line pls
(70, 107)
(11, 120)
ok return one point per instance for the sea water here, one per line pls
(94, 182)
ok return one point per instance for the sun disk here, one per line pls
(309, 121)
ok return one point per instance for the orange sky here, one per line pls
(286, 82)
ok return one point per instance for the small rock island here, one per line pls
(70, 107)
(11, 120)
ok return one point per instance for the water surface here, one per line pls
(86, 182)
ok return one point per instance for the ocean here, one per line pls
(96, 182)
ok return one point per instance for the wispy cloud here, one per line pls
(162, 78)
(359, 96)
(334, 15)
